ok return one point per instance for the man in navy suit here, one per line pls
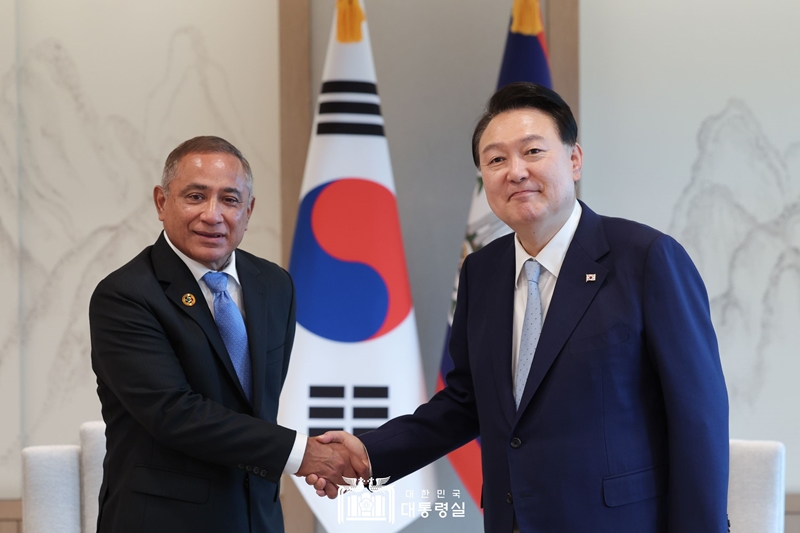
(610, 416)
(190, 369)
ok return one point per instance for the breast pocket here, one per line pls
(616, 335)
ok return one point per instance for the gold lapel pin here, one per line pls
(591, 277)
(188, 299)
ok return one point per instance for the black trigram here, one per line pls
(361, 99)
(365, 404)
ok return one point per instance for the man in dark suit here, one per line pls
(191, 343)
(584, 355)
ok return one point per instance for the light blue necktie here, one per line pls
(531, 328)
(231, 326)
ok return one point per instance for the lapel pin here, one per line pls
(188, 299)
(591, 277)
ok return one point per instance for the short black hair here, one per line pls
(525, 95)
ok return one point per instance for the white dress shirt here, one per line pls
(551, 257)
(199, 270)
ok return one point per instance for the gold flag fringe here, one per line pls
(348, 21)
(526, 17)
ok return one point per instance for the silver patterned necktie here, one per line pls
(232, 329)
(531, 328)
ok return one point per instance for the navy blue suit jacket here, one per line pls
(623, 425)
(186, 452)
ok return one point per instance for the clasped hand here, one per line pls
(331, 457)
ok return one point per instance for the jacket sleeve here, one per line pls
(681, 340)
(446, 422)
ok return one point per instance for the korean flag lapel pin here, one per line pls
(591, 277)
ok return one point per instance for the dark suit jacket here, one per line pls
(185, 450)
(623, 425)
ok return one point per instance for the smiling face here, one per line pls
(529, 174)
(206, 209)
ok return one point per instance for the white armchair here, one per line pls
(93, 451)
(756, 487)
(60, 484)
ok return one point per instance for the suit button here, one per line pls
(516, 443)
(263, 473)
(241, 466)
(249, 468)
(256, 470)
(509, 499)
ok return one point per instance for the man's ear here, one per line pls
(250, 207)
(159, 198)
(577, 162)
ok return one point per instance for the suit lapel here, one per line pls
(571, 298)
(170, 270)
(255, 309)
(501, 319)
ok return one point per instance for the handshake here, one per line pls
(331, 457)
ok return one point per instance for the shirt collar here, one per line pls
(198, 269)
(551, 257)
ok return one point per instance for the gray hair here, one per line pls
(202, 145)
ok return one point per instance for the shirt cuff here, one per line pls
(296, 455)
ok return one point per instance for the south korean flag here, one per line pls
(356, 360)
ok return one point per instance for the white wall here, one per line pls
(690, 119)
(103, 91)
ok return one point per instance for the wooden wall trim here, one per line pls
(793, 504)
(11, 510)
(294, 19)
(561, 28)
(10, 516)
